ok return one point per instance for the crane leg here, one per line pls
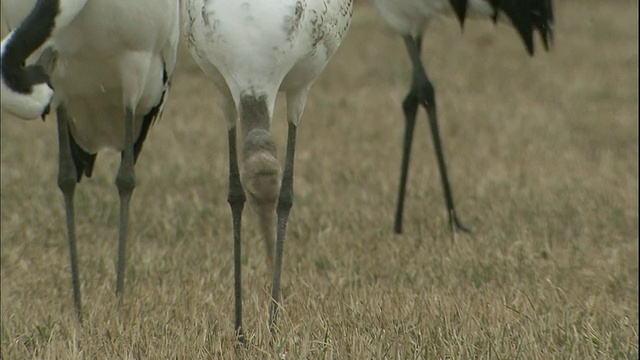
(126, 182)
(422, 92)
(67, 179)
(410, 108)
(236, 199)
(285, 202)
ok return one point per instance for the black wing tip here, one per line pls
(460, 9)
(547, 41)
(83, 160)
(45, 112)
(546, 35)
(528, 17)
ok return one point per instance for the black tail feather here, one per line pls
(528, 16)
(150, 117)
(83, 160)
(460, 8)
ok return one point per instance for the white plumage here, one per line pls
(410, 18)
(114, 62)
(251, 50)
(105, 57)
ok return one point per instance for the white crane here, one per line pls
(410, 19)
(114, 63)
(251, 50)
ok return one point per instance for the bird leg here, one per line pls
(422, 92)
(410, 108)
(285, 202)
(67, 179)
(126, 182)
(236, 199)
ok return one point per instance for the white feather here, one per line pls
(111, 54)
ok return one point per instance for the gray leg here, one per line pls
(126, 182)
(422, 92)
(285, 202)
(67, 179)
(236, 199)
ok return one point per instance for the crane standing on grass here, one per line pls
(251, 50)
(410, 19)
(110, 63)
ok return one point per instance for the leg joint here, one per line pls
(125, 182)
(236, 198)
(285, 200)
(410, 105)
(236, 194)
(427, 92)
(67, 179)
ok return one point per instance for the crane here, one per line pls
(410, 18)
(105, 67)
(251, 50)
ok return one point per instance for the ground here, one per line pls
(543, 160)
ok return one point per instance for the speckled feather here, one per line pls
(262, 46)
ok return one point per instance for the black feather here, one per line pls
(83, 160)
(528, 16)
(460, 8)
(150, 117)
(26, 38)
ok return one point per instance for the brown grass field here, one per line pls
(543, 159)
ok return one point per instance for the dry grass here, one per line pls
(543, 154)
